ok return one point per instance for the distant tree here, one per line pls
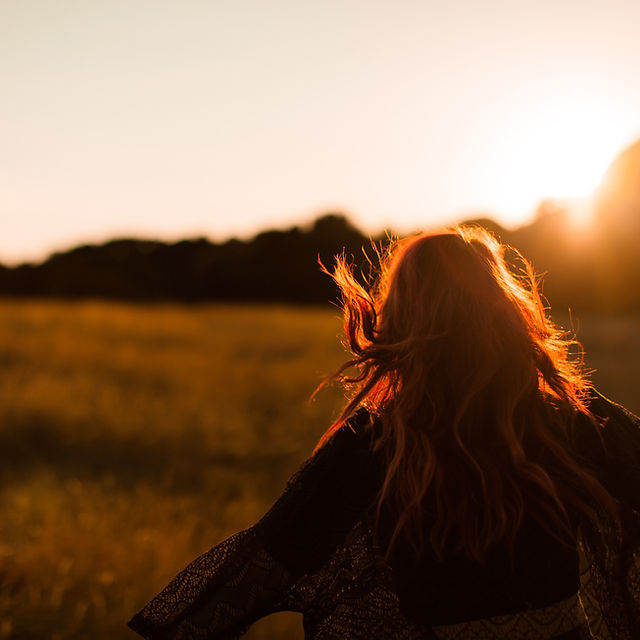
(596, 272)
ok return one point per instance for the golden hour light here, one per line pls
(399, 240)
(559, 151)
(581, 212)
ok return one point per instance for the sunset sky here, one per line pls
(183, 118)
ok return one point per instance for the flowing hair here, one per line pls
(472, 389)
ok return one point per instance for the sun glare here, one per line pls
(560, 151)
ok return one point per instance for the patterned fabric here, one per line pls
(538, 624)
(610, 558)
(324, 561)
(223, 590)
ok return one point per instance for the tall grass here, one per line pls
(132, 438)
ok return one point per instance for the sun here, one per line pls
(558, 150)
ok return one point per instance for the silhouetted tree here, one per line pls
(599, 271)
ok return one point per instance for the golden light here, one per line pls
(559, 150)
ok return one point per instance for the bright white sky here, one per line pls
(171, 118)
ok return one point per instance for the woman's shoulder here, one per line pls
(344, 460)
(604, 419)
(356, 433)
(323, 500)
(610, 442)
(617, 429)
(606, 409)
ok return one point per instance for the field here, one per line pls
(132, 438)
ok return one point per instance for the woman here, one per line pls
(471, 472)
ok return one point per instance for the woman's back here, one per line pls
(455, 492)
(316, 551)
(533, 573)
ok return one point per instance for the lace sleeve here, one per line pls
(218, 595)
(611, 556)
(253, 573)
(617, 453)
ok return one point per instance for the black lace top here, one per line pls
(316, 552)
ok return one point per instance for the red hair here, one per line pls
(473, 390)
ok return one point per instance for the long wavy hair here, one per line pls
(472, 389)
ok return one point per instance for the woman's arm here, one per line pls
(610, 574)
(615, 450)
(252, 574)
(218, 595)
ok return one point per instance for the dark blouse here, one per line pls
(316, 552)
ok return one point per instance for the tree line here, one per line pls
(601, 273)
(597, 269)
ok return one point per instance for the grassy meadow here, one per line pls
(132, 438)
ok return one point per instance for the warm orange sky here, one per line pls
(180, 118)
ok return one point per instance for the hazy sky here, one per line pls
(181, 118)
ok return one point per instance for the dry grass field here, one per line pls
(132, 438)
